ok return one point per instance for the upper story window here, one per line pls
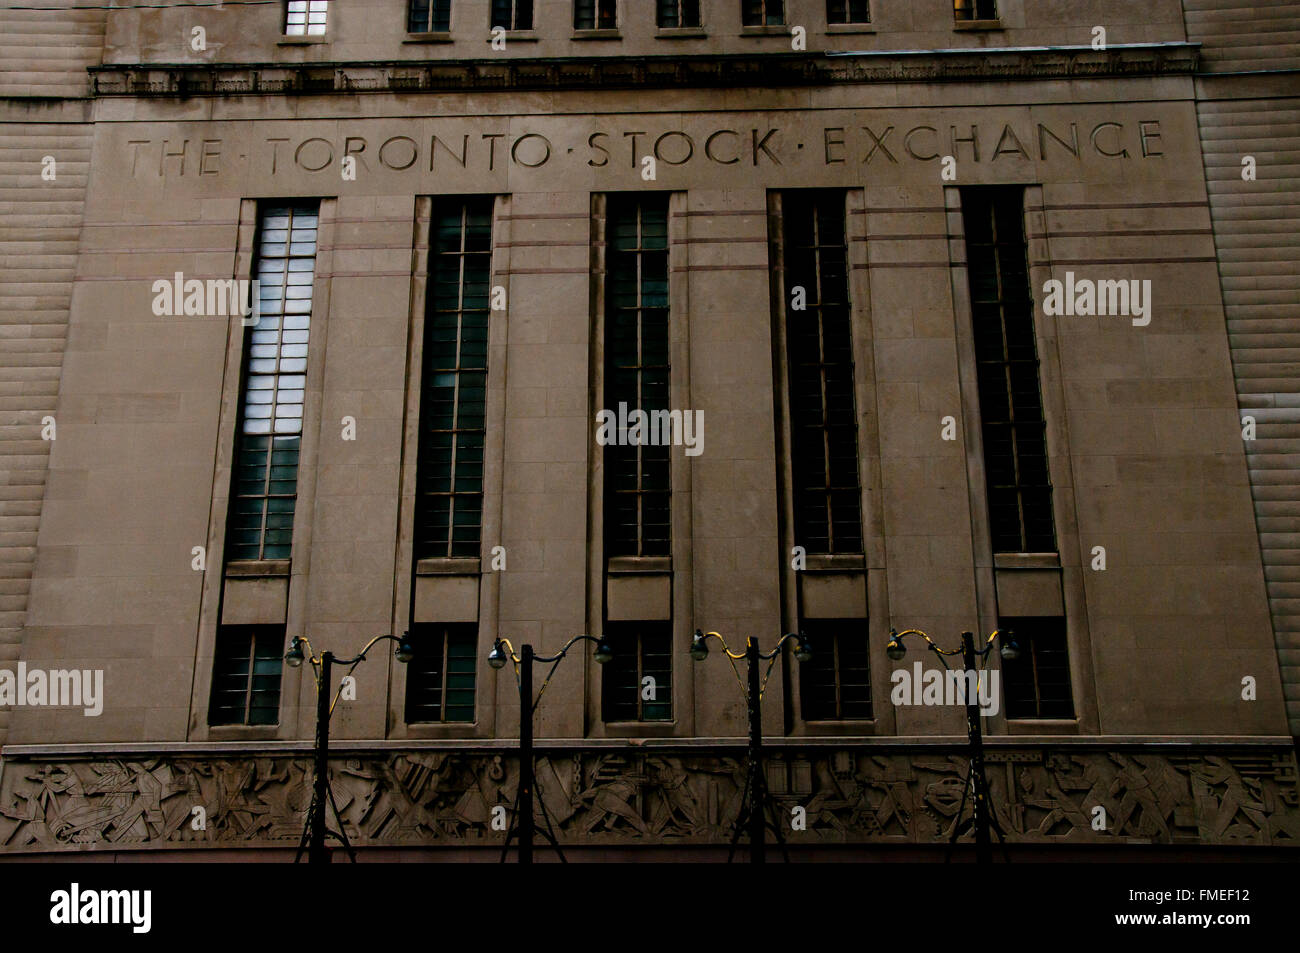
(762, 12)
(429, 16)
(265, 488)
(672, 14)
(975, 9)
(512, 14)
(306, 17)
(819, 355)
(595, 14)
(453, 405)
(1006, 366)
(637, 474)
(848, 11)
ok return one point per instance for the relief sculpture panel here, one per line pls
(660, 796)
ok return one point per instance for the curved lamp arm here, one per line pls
(295, 657)
(700, 651)
(896, 650)
(502, 651)
(600, 643)
(801, 647)
(699, 648)
(403, 649)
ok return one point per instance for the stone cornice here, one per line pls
(643, 72)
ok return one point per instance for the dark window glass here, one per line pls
(975, 9)
(835, 684)
(819, 355)
(512, 14)
(678, 13)
(848, 11)
(429, 16)
(637, 488)
(641, 650)
(440, 678)
(1037, 683)
(449, 476)
(1011, 406)
(594, 14)
(762, 12)
(264, 491)
(246, 675)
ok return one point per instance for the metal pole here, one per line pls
(757, 792)
(526, 754)
(317, 852)
(983, 846)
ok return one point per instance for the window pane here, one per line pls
(819, 354)
(1011, 407)
(453, 406)
(246, 673)
(835, 684)
(1037, 682)
(273, 399)
(636, 684)
(637, 376)
(440, 678)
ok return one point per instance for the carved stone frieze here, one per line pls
(585, 73)
(653, 796)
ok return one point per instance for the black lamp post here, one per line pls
(503, 651)
(976, 780)
(755, 784)
(315, 830)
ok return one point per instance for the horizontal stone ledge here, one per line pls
(341, 747)
(603, 72)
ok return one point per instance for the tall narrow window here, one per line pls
(275, 377)
(677, 13)
(246, 675)
(512, 14)
(975, 9)
(848, 11)
(1037, 683)
(440, 678)
(636, 684)
(449, 474)
(637, 488)
(594, 14)
(762, 12)
(306, 17)
(429, 16)
(1011, 405)
(819, 355)
(835, 684)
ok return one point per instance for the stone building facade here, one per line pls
(819, 240)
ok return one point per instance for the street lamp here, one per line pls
(976, 781)
(754, 797)
(502, 652)
(314, 830)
